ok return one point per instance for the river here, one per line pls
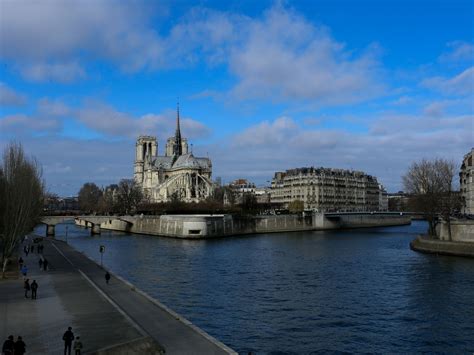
(307, 292)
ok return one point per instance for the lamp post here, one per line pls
(66, 234)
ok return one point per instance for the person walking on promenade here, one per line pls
(34, 288)
(24, 270)
(26, 249)
(45, 265)
(107, 277)
(40, 262)
(27, 287)
(8, 346)
(68, 337)
(20, 262)
(77, 346)
(20, 346)
(32, 249)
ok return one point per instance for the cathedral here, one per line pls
(177, 174)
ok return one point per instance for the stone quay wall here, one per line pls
(462, 230)
(212, 226)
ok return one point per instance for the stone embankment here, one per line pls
(114, 318)
(211, 226)
(460, 242)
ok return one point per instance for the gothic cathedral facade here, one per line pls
(176, 175)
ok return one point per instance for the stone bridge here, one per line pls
(92, 222)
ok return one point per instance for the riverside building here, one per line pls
(177, 174)
(327, 190)
(466, 183)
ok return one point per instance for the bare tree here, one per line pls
(89, 196)
(129, 195)
(21, 192)
(431, 184)
(296, 206)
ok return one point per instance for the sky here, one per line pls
(263, 86)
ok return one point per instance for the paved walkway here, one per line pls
(74, 293)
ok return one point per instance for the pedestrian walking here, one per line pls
(68, 337)
(42, 247)
(8, 346)
(20, 346)
(26, 250)
(27, 287)
(45, 265)
(32, 249)
(34, 288)
(24, 270)
(77, 346)
(20, 262)
(40, 262)
(107, 277)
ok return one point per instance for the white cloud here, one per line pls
(10, 97)
(107, 120)
(62, 72)
(21, 124)
(461, 84)
(458, 51)
(284, 57)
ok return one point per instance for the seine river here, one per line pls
(351, 291)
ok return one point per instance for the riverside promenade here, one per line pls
(112, 318)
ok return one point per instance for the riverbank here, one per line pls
(218, 226)
(113, 318)
(424, 244)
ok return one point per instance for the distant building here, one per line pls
(323, 189)
(466, 183)
(240, 187)
(383, 198)
(177, 174)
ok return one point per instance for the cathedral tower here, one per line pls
(145, 149)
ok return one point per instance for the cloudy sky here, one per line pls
(263, 85)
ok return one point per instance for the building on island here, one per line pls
(466, 183)
(326, 190)
(177, 174)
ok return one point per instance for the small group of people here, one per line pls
(11, 347)
(27, 248)
(68, 338)
(33, 287)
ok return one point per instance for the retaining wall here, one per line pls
(211, 226)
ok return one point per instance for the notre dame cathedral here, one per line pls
(177, 174)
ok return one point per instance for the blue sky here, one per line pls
(263, 86)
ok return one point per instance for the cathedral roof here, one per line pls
(185, 161)
(190, 162)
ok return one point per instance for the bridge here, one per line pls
(92, 222)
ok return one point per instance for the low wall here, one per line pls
(461, 231)
(435, 246)
(211, 226)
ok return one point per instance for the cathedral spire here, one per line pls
(178, 149)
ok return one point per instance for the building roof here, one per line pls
(185, 161)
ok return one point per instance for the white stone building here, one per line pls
(327, 190)
(466, 183)
(178, 173)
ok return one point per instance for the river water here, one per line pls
(358, 291)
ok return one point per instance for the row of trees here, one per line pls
(21, 196)
(121, 198)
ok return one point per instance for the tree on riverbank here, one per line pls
(89, 196)
(431, 184)
(21, 196)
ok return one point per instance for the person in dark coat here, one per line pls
(68, 337)
(107, 277)
(34, 288)
(27, 287)
(40, 262)
(32, 249)
(8, 346)
(45, 264)
(20, 262)
(20, 346)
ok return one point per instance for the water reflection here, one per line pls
(359, 290)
